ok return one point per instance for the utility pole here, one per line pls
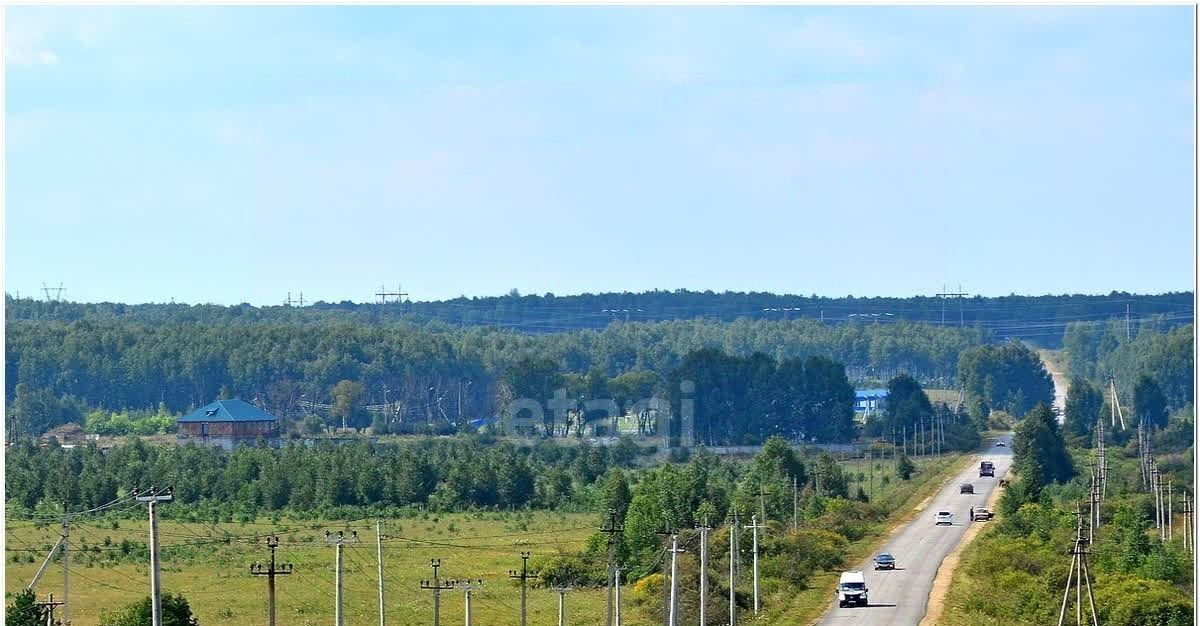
(733, 553)
(45, 563)
(379, 565)
(1187, 524)
(1116, 403)
(562, 606)
(467, 586)
(271, 572)
(871, 479)
(703, 573)
(795, 506)
(46, 609)
(673, 619)
(617, 595)
(762, 503)
(153, 498)
(339, 541)
(66, 554)
(523, 576)
(1170, 519)
(611, 528)
(1157, 504)
(437, 586)
(755, 526)
(1079, 572)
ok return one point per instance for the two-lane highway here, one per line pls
(899, 598)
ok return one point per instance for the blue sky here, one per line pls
(234, 154)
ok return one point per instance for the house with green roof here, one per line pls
(227, 424)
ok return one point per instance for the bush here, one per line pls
(573, 569)
(175, 612)
(797, 555)
(649, 588)
(1139, 602)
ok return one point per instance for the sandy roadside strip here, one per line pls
(945, 572)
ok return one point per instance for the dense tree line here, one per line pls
(1156, 349)
(444, 474)
(908, 411)
(426, 373)
(1026, 317)
(744, 400)
(1008, 377)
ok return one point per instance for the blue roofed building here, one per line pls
(869, 401)
(227, 424)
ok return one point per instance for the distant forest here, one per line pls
(1041, 319)
(464, 357)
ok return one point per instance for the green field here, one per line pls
(209, 562)
(945, 396)
(213, 574)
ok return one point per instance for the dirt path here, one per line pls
(941, 582)
(1051, 361)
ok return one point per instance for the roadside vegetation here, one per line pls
(1016, 570)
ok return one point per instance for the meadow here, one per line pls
(210, 563)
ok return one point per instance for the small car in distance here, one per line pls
(943, 517)
(885, 560)
(999, 444)
(981, 515)
(966, 488)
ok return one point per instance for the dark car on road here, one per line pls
(885, 561)
(966, 488)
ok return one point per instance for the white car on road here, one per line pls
(943, 517)
(852, 589)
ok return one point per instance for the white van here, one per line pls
(852, 589)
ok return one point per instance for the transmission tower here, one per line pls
(955, 294)
(57, 291)
(384, 294)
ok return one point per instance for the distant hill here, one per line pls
(1040, 319)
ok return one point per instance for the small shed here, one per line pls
(228, 423)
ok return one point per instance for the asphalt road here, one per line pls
(899, 597)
